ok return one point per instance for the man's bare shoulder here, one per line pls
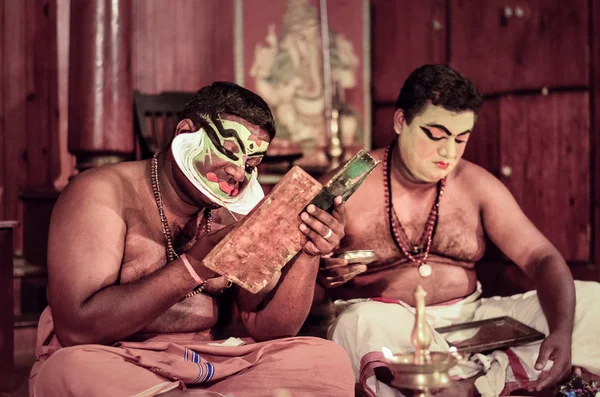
(107, 185)
(466, 170)
(476, 181)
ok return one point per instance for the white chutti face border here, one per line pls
(185, 147)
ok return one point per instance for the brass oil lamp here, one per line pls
(422, 371)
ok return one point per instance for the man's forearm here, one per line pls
(119, 311)
(285, 309)
(556, 292)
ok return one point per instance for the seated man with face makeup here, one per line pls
(131, 307)
(426, 212)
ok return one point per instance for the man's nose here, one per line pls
(236, 172)
(449, 149)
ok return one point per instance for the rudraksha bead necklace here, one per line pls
(427, 235)
(171, 254)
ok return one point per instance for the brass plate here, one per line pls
(358, 256)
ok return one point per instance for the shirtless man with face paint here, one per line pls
(132, 310)
(425, 213)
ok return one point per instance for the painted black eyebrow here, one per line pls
(212, 135)
(441, 127)
(228, 133)
(428, 133)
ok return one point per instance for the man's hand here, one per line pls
(556, 347)
(324, 231)
(336, 271)
(203, 245)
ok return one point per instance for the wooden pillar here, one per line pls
(7, 341)
(100, 82)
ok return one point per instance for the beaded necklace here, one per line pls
(171, 254)
(427, 235)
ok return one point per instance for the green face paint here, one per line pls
(229, 143)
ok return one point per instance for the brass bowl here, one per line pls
(440, 361)
(430, 376)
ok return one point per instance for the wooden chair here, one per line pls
(156, 117)
(7, 360)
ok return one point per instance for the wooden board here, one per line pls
(266, 239)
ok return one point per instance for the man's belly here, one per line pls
(446, 282)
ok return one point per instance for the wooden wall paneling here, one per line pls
(595, 130)
(546, 46)
(483, 147)
(383, 126)
(205, 53)
(193, 49)
(15, 111)
(223, 42)
(3, 164)
(545, 141)
(182, 45)
(166, 44)
(189, 29)
(405, 35)
(41, 101)
(145, 24)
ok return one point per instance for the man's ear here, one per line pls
(185, 125)
(398, 121)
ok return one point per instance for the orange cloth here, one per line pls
(301, 366)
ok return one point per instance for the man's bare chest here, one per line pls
(146, 247)
(458, 234)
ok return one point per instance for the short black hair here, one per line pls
(224, 97)
(441, 85)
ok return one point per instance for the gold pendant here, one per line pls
(425, 270)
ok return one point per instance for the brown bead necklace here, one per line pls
(170, 250)
(427, 235)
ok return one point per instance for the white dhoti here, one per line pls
(364, 326)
